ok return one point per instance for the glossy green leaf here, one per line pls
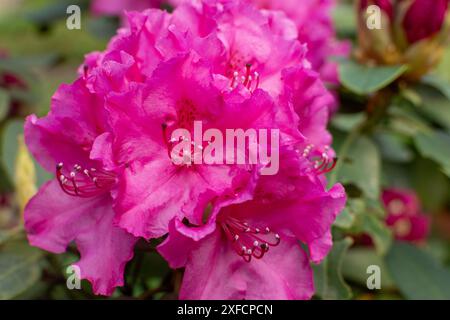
(417, 274)
(381, 235)
(439, 83)
(4, 104)
(362, 167)
(393, 148)
(19, 269)
(356, 262)
(345, 219)
(363, 79)
(346, 122)
(430, 183)
(434, 105)
(328, 278)
(435, 146)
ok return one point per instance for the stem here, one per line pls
(377, 107)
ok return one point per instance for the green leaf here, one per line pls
(345, 219)
(381, 235)
(355, 266)
(361, 167)
(4, 104)
(435, 146)
(54, 11)
(9, 145)
(393, 148)
(346, 122)
(434, 105)
(363, 79)
(369, 218)
(19, 269)
(440, 84)
(344, 19)
(103, 27)
(328, 277)
(430, 183)
(417, 274)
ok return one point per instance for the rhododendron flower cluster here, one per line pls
(107, 137)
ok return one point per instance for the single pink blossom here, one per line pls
(404, 215)
(77, 205)
(118, 7)
(250, 246)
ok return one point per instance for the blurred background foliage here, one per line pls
(389, 133)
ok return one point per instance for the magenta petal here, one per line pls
(68, 131)
(53, 220)
(177, 247)
(102, 150)
(283, 273)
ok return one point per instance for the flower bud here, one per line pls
(412, 32)
(424, 19)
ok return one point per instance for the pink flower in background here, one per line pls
(315, 28)
(117, 7)
(78, 204)
(404, 215)
(249, 247)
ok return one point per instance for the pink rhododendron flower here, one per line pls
(218, 76)
(77, 205)
(249, 247)
(404, 216)
(226, 65)
(315, 28)
(118, 7)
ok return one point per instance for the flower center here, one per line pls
(247, 78)
(402, 227)
(321, 161)
(249, 241)
(85, 183)
(396, 207)
(182, 156)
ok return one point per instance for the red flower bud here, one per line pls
(424, 18)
